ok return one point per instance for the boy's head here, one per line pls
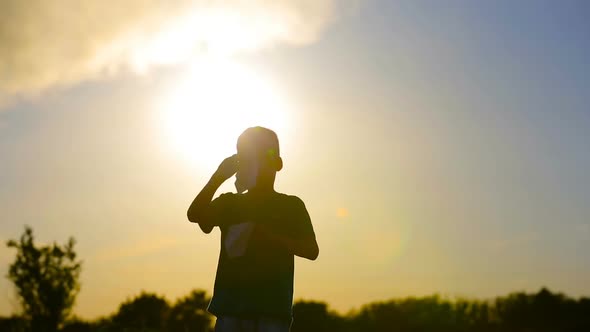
(258, 157)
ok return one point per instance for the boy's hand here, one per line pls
(227, 168)
(303, 247)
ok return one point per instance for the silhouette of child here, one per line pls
(261, 232)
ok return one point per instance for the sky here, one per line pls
(440, 147)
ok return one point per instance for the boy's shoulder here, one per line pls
(230, 197)
(293, 199)
(289, 202)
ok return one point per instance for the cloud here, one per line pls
(46, 43)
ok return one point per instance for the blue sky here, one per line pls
(439, 147)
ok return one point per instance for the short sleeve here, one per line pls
(302, 227)
(221, 209)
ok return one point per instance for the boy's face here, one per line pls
(252, 159)
(249, 159)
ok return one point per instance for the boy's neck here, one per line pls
(262, 190)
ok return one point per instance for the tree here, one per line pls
(190, 314)
(313, 316)
(46, 280)
(146, 312)
(13, 324)
(78, 325)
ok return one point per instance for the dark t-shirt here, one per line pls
(258, 281)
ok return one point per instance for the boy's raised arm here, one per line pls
(200, 209)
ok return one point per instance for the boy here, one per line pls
(261, 232)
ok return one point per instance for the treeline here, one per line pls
(46, 277)
(541, 311)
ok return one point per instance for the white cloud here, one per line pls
(44, 43)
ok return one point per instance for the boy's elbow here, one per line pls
(191, 215)
(193, 218)
(313, 252)
(206, 228)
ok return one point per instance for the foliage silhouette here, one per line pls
(543, 311)
(150, 312)
(145, 312)
(539, 312)
(46, 278)
(190, 314)
(13, 324)
(77, 325)
(313, 316)
(46, 281)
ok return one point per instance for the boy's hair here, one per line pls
(262, 140)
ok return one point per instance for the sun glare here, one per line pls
(217, 99)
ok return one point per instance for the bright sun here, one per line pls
(205, 113)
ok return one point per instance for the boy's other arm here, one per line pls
(200, 209)
(306, 247)
(302, 241)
